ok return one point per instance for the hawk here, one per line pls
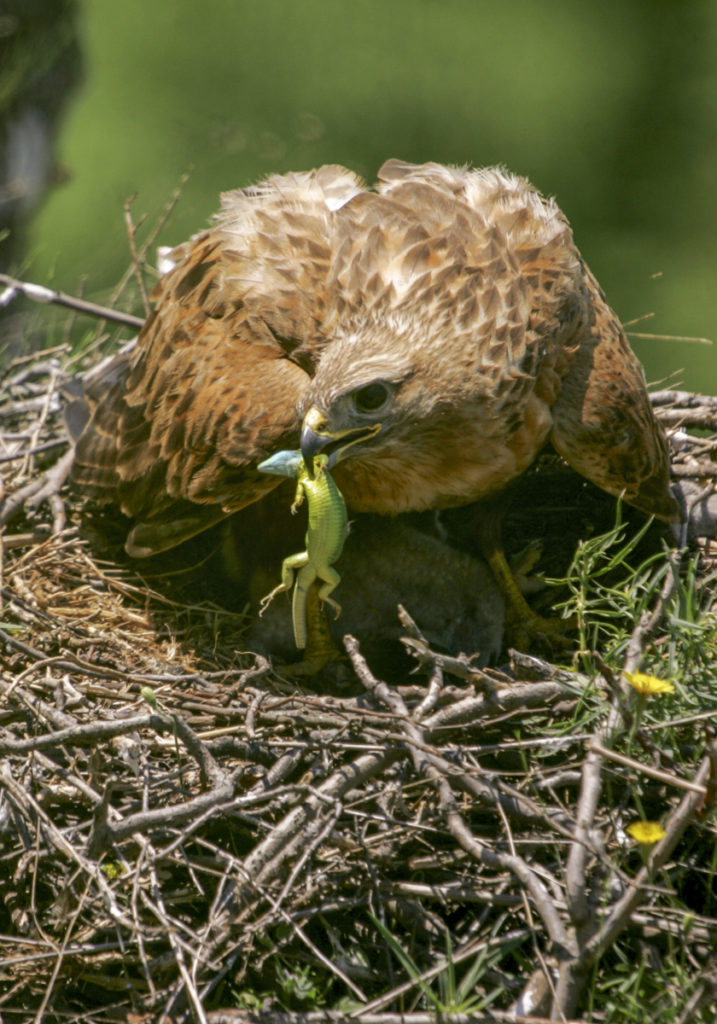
(429, 335)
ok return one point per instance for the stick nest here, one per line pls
(185, 834)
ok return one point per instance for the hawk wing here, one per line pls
(461, 291)
(211, 386)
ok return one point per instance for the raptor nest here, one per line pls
(186, 835)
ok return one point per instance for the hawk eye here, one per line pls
(370, 398)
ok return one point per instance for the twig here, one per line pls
(425, 764)
(39, 293)
(686, 399)
(61, 953)
(38, 489)
(46, 446)
(646, 769)
(63, 846)
(77, 735)
(131, 230)
(151, 238)
(650, 619)
(675, 826)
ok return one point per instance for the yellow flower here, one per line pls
(646, 831)
(648, 684)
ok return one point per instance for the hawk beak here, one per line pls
(316, 437)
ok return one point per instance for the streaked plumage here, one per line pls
(460, 292)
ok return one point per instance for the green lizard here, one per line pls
(325, 536)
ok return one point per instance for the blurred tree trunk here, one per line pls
(40, 67)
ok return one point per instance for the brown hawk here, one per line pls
(431, 334)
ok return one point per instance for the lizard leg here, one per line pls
(331, 580)
(288, 567)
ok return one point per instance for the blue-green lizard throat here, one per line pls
(325, 536)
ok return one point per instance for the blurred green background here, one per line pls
(611, 107)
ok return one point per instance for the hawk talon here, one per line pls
(524, 632)
(320, 648)
(523, 625)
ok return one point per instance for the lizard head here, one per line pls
(291, 463)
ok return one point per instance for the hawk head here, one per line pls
(407, 423)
